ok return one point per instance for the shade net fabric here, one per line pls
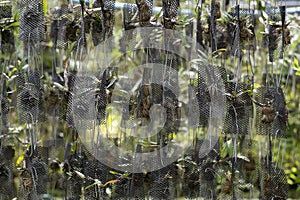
(75, 126)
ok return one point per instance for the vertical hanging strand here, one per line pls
(32, 27)
(252, 65)
(269, 157)
(107, 10)
(272, 44)
(238, 36)
(237, 53)
(145, 11)
(199, 38)
(189, 28)
(82, 40)
(213, 26)
(101, 3)
(4, 107)
(233, 160)
(237, 46)
(282, 13)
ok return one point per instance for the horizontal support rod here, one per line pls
(157, 9)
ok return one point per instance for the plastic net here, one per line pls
(129, 19)
(273, 183)
(7, 42)
(240, 30)
(4, 108)
(7, 189)
(6, 9)
(145, 11)
(239, 109)
(274, 33)
(89, 135)
(59, 26)
(162, 183)
(272, 112)
(277, 34)
(29, 99)
(170, 9)
(203, 97)
(32, 28)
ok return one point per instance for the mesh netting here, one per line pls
(7, 189)
(108, 17)
(273, 183)
(72, 181)
(26, 189)
(94, 169)
(59, 27)
(82, 101)
(136, 187)
(247, 147)
(240, 29)
(129, 15)
(40, 175)
(170, 9)
(97, 28)
(192, 182)
(29, 99)
(69, 98)
(203, 97)
(170, 103)
(105, 92)
(233, 34)
(5, 9)
(32, 27)
(4, 108)
(271, 112)
(162, 183)
(190, 172)
(80, 106)
(239, 108)
(144, 11)
(208, 178)
(7, 42)
(247, 168)
(273, 32)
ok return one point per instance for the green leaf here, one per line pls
(126, 175)
(256, 85)
(158, 15)
(81, 175)
(296, 64)
(245, 187)
(292, 176)
(115, 173)
(70, 49)
(290, 182)
(14, 24)
(45, 9)
(73, 148)
(243, 157)
(89, 186)
(20, 159)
